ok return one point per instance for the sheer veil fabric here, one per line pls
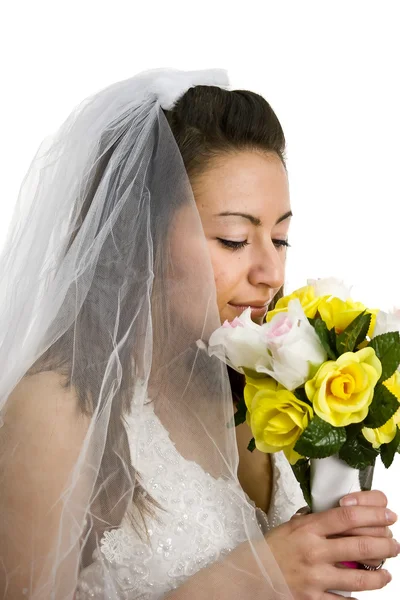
(107, 287)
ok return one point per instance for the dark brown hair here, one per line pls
(206, 122)
(209, 121)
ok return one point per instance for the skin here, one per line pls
(248, 256)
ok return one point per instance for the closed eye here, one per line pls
(233, 245)
(281, 243)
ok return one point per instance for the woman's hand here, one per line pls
(308, 549)
(372, 498)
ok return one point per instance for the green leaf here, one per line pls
(382, 408)
(358, 453)
(353, 334)
(254, 374)
(323, 333)
(387, 349)
(364, 330)
(240, 414)
(332, 337)
(252, 445)
(389, 450)
(300, 394)
(301, 471)
(353, 430)
(320, 439)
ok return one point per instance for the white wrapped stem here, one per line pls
(331, 479)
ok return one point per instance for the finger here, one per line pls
(361, 549)
(338, 520)
(370, 531)
(352, 580)
(370, 498)
(329, 596)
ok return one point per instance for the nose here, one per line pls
(268, 268)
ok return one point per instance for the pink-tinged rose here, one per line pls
(294, 349)
(287, 348)
(233, 324)
(279, 327)
(241, 344)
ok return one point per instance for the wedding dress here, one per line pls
(200, 525)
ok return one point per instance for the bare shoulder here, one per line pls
(41, 410)
(41, 441)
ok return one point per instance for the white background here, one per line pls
(330, 69)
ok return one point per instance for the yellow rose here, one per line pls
(342, 390)
(339, 314)
(393, 384)
(386, 433)
(276, 417)
(308, 300)
(255, 385)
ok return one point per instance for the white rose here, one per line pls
(295, 350)
(387, 322)
(240, 343)
(330, 286)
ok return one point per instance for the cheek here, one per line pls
(223, 285)
(228, 275)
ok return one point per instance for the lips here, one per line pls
(252, 306)
(258, 309)
(257, 305)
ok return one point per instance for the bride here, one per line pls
(160, 209)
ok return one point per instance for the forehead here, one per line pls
(245, 181)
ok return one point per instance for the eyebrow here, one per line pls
(254, 220)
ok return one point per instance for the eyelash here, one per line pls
(282, 243)
(239, 245)
(233, 245)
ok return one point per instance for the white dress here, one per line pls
(199, 526)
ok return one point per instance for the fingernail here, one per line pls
(391, 517)
(348, 501)
(398, 547)
(304, 510)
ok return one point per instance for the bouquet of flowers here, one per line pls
(322, 384)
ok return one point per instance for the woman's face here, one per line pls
(244, 206)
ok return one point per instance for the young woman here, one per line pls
(160, 208)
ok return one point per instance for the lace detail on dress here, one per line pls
(201, 523)
(119, 546)
(286, 497)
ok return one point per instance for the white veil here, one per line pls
(106, 288)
